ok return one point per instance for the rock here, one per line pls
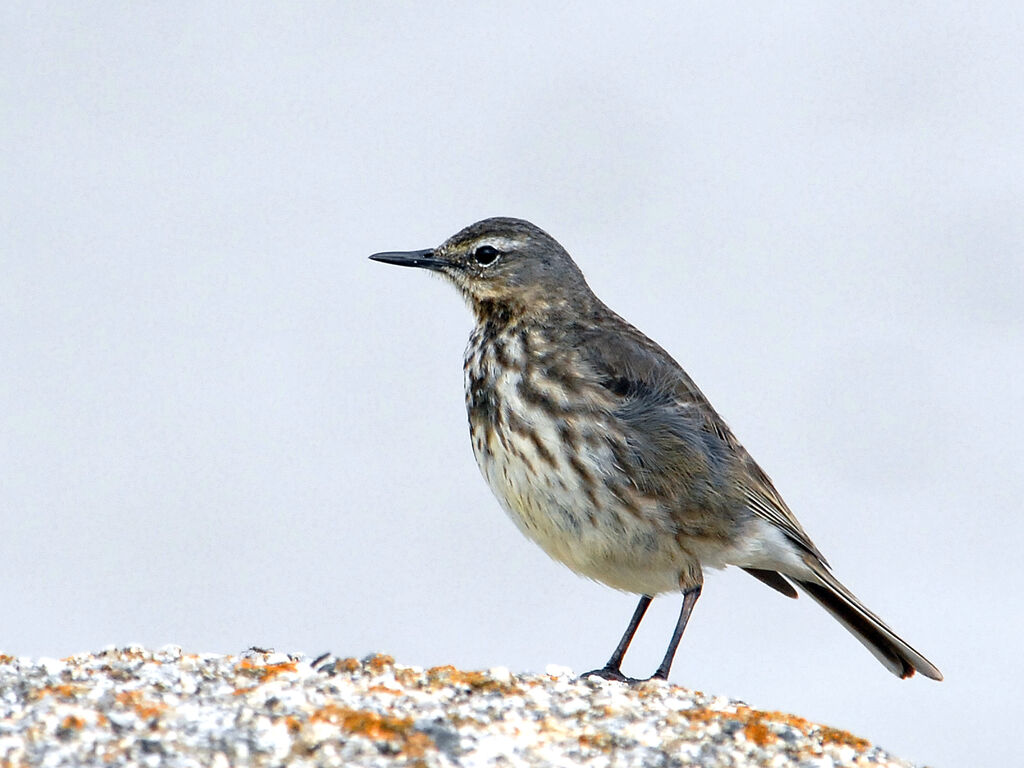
(165, 708)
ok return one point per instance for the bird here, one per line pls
(603, 451)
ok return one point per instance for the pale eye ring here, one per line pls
(486, 255)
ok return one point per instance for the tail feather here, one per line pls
(773, 579)
(895, 653)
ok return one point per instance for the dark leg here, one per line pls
(612, 670)
(689, 600)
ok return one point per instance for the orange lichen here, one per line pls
(135, 653)
(777, 717)
(72, 722)
(262, 672)
(396, 730)
(363, 722)
(600, 740)
(63, 691)
(407, 677)
(757, 726)
(477, 681)
(6, 658)
(383, 689)
(759, 734)
(417, 743)
(836, 736)
(265, 672)
(379, 662)
(349, 664)
(147, 710)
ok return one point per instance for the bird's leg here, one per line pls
(689, 600)
(612, 670)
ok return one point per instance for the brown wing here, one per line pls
(685, 436)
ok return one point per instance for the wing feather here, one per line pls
(647, 384)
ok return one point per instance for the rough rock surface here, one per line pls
(132, 706)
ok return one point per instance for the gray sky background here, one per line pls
(221, 425)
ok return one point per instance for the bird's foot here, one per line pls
(613, 673)
(610, 673)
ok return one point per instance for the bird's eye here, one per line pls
(486, 255)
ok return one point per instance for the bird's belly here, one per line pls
(558, 499)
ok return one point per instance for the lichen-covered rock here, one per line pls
(165, 708)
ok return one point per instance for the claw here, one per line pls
(610, 673)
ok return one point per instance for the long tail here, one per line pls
(889, 648)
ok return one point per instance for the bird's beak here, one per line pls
(424, 259)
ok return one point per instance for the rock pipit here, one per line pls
(603, 451)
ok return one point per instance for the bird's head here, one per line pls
(505, 262)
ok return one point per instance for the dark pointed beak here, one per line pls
(424, 259)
